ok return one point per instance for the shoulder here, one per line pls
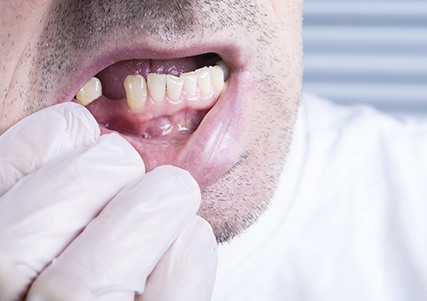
(361, 197)
(321, 114)
(363, 128)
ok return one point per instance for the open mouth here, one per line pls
(178, 111)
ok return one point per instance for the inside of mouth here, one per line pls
(112, 77)
(111, 111)
(176, 128)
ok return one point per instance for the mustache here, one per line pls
(81, 20)
(74, 28)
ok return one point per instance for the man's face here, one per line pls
(233, 140)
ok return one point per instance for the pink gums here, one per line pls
(191, 134)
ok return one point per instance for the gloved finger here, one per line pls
(187, 271)
(44, 211)
(42, 137)
(117, 251)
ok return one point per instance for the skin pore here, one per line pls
(45, 43)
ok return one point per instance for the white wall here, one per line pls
(372, 51)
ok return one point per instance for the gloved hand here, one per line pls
(69, 195)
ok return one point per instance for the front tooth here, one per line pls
(156, 86)
(204, 81)
(90, 91)
(136, 91)
(174, 87)
(217, 78)
(190, 84)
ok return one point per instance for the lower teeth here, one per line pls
(205, 81)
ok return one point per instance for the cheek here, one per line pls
(282, 9)
(21, 22)
(22, 16)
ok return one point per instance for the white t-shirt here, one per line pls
(349, 221)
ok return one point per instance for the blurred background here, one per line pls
(368, 52)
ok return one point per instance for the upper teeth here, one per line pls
(203, 82)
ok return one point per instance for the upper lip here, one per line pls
(211, 146)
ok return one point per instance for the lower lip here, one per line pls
(210, 151)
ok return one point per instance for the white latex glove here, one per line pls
(56, 175)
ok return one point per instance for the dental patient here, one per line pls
(162, 150)
(136, 136)
(157, 103)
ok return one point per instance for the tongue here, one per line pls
(112, 78)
